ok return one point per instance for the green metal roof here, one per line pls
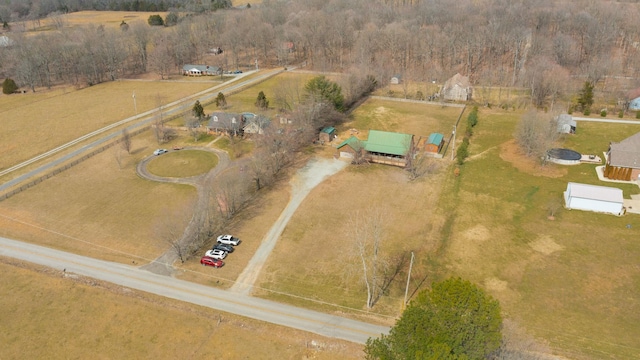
(352, 141)
(435, 138)
(388, 142)
(328, 129)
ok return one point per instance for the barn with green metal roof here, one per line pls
(388, 147)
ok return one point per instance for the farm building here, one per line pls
(458, 88)
(327, 134)
(200, 70)
(230, 123)
(434, 143)
(566, 124)
(388, 147)
(623, 159)
(350, 147)
(396, 79)
(595, 198)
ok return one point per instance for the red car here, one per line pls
(207, 261)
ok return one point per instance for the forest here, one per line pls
(537, 45)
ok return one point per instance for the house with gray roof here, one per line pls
(623, 159)
(230, 123)
(457, 88)
(255, 124)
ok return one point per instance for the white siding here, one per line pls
(593, 198)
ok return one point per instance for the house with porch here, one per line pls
(200, 70)
(623, 159)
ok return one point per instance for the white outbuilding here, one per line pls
(596, 198)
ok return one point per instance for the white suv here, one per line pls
(228, 239)
(216, 254)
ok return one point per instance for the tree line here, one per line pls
(536, 45)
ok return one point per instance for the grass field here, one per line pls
(185, 163)
(33, 123)
(45, 315)
(572, 281)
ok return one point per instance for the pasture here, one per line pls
(46, 315)
(33, 123)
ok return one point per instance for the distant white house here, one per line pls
(396, 79)
(595, 198)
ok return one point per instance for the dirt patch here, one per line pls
(477, 233)
(495, 284)
(511, 153)
(545, 245)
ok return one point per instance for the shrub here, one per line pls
(587, 112)
(603, 113)
(155, 20)
(9, 86)
(637, 114)
(621, 114)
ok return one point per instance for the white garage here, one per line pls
(600, 199)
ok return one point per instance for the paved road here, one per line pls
(137, 121)
(135, 278)
(613, 121)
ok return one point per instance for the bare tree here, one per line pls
(421, 166)
(536, 133)
(367, 231)
(192, 123)
(170, 229)
(125, 141)
(518, 345)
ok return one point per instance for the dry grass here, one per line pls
(85, 18)
(45, 315)
(97, 208)
(33, 123)
(184, 163)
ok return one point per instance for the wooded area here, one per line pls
(538, 45)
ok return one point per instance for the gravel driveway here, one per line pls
(302, 183)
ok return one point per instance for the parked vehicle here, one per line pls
(238, 72)
(160, 151)
(216, 254)
(223, 247)
(228, 239)
(207, 261)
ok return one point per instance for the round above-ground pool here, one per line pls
(564, 156)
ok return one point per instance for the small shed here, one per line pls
(396, 79)
(434, 143)
(634, 104)
(350, 147)
(566, 124)
(595, 198)
(327, 134)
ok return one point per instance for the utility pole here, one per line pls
(406, 290)
(453, 143)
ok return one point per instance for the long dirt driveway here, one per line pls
(302, 183)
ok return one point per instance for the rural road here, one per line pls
(137, 121)
(131, 277)
(302, 183)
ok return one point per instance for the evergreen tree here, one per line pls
(9, 86)
(261, 101)
(585, 100)
(322, 89)
(453, 320)
(198, 110)
(221, 101)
